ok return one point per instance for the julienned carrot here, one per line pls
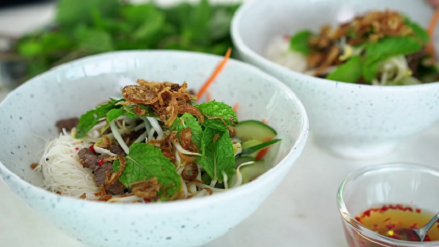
(208, 96)
(235, 107)
(431, 28)
(265, 121)
(214, 74)
(264, 151)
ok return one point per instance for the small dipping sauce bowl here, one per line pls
(397, 185)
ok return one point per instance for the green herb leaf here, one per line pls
(418, 31)
(129, 111)
(386, 48)
(189, 121)
(145, 162)
(88, 120)
(70, 13)
(217, 109)
(350, 71)
(114, 114)
(250, 150)
(217, 156)
(94, 40)
(299, 42)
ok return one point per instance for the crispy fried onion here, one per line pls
(220, 118)
(166, 147)
(186, 158)
(104, 143)
(186, 142)
(139, 111)
(165, 99)
(102, 192)
(190, 171)
(111, 178)
(192, 110)
(146, 189)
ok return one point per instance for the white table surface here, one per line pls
(302, 211)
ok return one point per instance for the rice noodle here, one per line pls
(62, 170)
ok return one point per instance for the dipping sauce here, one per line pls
(384, 220)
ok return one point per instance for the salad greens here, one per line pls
(369, 50)
(145, 162)
(96, 26)
(201, 144)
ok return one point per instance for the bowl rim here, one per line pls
(182, 204)
(241, 45)
(348, 217)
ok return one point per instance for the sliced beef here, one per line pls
(67, 124)
(131, 137)
(413, 61)
(116, 188)
(88, 158)
(116, 149)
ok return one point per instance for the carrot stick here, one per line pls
(430, 30)
(208, 96)
(214, 74)
(235, 107)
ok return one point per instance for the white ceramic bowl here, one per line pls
(73, 88)
(352, 120)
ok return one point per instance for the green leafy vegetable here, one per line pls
(418, 31)
(350, 71)
(97, 26)
(217, 110)
(299, 42)
(114, 114)
(189, 121)
(218, 154)
(386, 48)
(145, 162)
(255, 148)
(88, 120)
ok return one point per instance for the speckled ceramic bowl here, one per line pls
(72, 89)
(352, 120)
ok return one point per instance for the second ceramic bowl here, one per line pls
(358, 121)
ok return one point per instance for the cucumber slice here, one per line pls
(243, 159)
(254, 130)
(248, 172)
(249, 144)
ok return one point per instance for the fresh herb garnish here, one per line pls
(218, 154)
(217, 115)
(88, 120)
(350, 71)
(97, 26)
(299, 42)
(189, 121)
(146, 162)
(386, 48)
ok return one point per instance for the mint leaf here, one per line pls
(258, 147)
(418, 31)
(129, 111)
(217, 109)
(145, 162)
(88, 120)
(114, 114)
(94, 40)
(299, 42)
(218, 156)
(350, 71)
(386, 48)
(189, 121)
(70, 13)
